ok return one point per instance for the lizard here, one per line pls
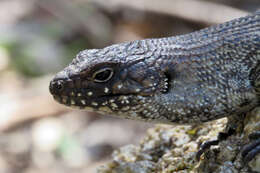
(187, 79)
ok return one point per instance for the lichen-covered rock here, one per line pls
(172, 149)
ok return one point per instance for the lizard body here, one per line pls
(192, 78)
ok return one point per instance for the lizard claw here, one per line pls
(206, 145)
(252, 149)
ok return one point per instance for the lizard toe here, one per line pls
(206, 145)
(251, 150)
(221, 136)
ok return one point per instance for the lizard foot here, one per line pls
(221, 137)
(253, 148)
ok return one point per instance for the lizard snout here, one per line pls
(57, 84)
(56, 87)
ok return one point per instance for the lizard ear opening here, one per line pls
(166, 82)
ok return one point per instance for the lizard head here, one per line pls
(115, 80)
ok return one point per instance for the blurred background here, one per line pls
(40, 37)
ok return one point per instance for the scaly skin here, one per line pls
(192, 78)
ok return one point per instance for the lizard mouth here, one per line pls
(109, 103)
(72, 94)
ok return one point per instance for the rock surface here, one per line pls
(172, 149)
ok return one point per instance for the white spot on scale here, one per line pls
(134, 114)
(106, 90)
(94, 103)
(114, 105)
(83, 102)
(140, 97)
(79, 94)
(119, 86)
(125, 108)
(137, 90)
(72, 102)
(90, 93)
(148, 114)
(104, 103)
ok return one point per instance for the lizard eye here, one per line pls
(103, 75)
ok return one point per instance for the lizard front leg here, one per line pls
(221, 137)
(229, 130)
(252, 149)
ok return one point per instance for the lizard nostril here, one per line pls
(56, 86)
